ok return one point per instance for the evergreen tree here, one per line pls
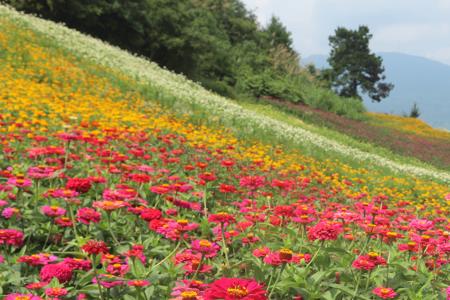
(354, 67)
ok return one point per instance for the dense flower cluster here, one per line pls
(103, 193)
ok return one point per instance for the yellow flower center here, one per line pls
(391, 234)
(372, 254)
(385, 291)
(285, 254)
(205, 243)
(182, 222)
(237, 291)
(189, 295)
(426, 237)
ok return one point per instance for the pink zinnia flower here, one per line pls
(37, 259)
(108, 205)
(9, 212)
(40, 172)
(188, 287)
(36, 285)
(19, 181)
(16, 296)
(108, 281)
(421, 224)
(205, 247)
(235, 289)
(63, 193)
(53, 211)
(11, 237)
(384, 292)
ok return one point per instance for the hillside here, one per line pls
(409, 137)
(123, 180)
(416, 79)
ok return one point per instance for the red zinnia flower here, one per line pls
(235, 288)
(95, 247)
(60, 271)
(221, 217)
(324, 230)
(138, 283)
(86, 215)
(55, 292)
(81, 185)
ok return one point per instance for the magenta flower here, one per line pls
(19, 181)
(53, 211)
(205, 247)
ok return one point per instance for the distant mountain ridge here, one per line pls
(416, 79)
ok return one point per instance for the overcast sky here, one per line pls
(418, 27)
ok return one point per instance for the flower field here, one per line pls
(410, 125)
(106, 194)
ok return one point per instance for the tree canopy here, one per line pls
(354, 67)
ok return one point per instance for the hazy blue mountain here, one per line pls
(416, 79)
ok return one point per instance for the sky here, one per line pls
(417, 27)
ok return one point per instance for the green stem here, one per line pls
(72, 217)
(357, 287)
(165, 258)
(366, 244)
(199, 267)
(99, 286)
(224, 246)
(36, 193)
(387, 269)
(272, 288)
(110, 228)
(315, 255)
(368, 280)
(205, 207)
(48, 236)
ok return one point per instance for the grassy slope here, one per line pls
(186, 97)
(405, 140)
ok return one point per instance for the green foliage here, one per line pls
(354, 66)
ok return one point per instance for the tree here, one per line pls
(277, 34)
(415, 111)
(354, 67)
